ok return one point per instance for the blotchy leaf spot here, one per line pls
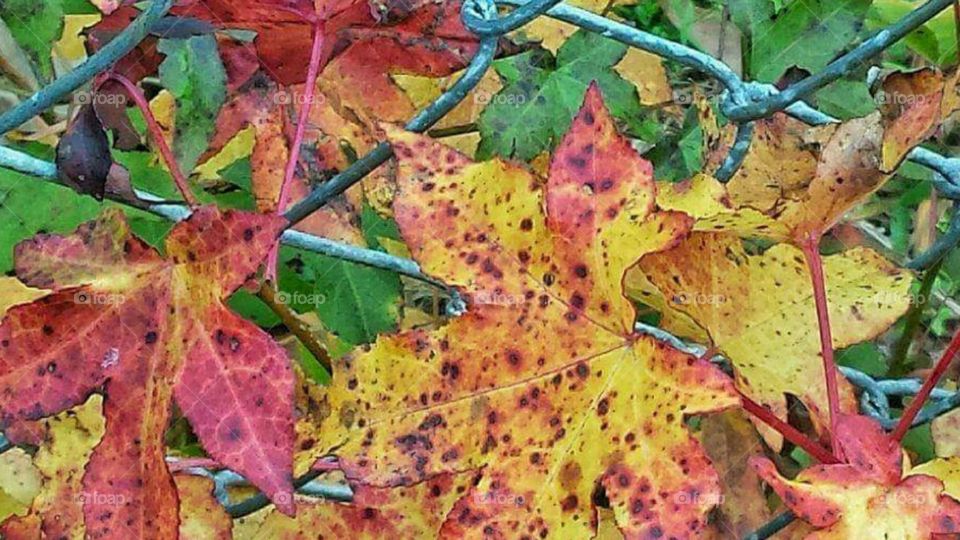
(551, 393)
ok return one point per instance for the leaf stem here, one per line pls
(810, 245)
(789, 432)
(100, 61)
(898, 363)
(156, 133)
(302, 117)
(295, 325)
(293, 158)
(906, 420)
(440, 133)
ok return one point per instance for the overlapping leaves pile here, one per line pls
(540, 412)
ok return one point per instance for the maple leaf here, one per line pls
(419, 34)
(201, 515)
(542, 384)
(798, 180)
(67, 441)
(374, 513)
(867, 493)
(758, 311)
(151, 329)
(729, 437)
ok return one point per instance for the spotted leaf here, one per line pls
(543, 385)
(151, 330)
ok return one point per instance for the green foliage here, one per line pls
(935, 41)
(785, 38)
(541, 94)
(194, 74)
(36, 25)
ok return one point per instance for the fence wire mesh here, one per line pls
(742, 103)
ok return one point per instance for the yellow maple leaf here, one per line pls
(543, 385)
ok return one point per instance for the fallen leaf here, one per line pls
(152, 329)
(201, 515)
(945, 431)
(68, 440)
(759, 312)
(867, 493)
(729, 438)
(548, 392)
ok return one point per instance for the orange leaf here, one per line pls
(868, 493)
(151, 329)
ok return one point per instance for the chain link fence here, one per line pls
(742, 103)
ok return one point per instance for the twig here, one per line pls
(906, 421)
(439, 133)
(303, 116)
(811, 251)
(156, 133)
(789, 432)
(295, 325)
(424, 119)
(898, 361)
(99, 62)
(46, 170)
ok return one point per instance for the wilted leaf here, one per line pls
(544, 386)
(867, 493)
(201, 515)
(57, 511)
(759, 311)
(729, 438)
(912, 105)
(194, 74)
(83, 154)
(790, 206)
(148, 328)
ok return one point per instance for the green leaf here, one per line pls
(866, 357)
(376, 227)
(846, 99)
(680, 155)
(807, 33)
(354, 301)
(193, 72)
(79, 7)
(36, 25)
(935, 40)
(541, 94)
